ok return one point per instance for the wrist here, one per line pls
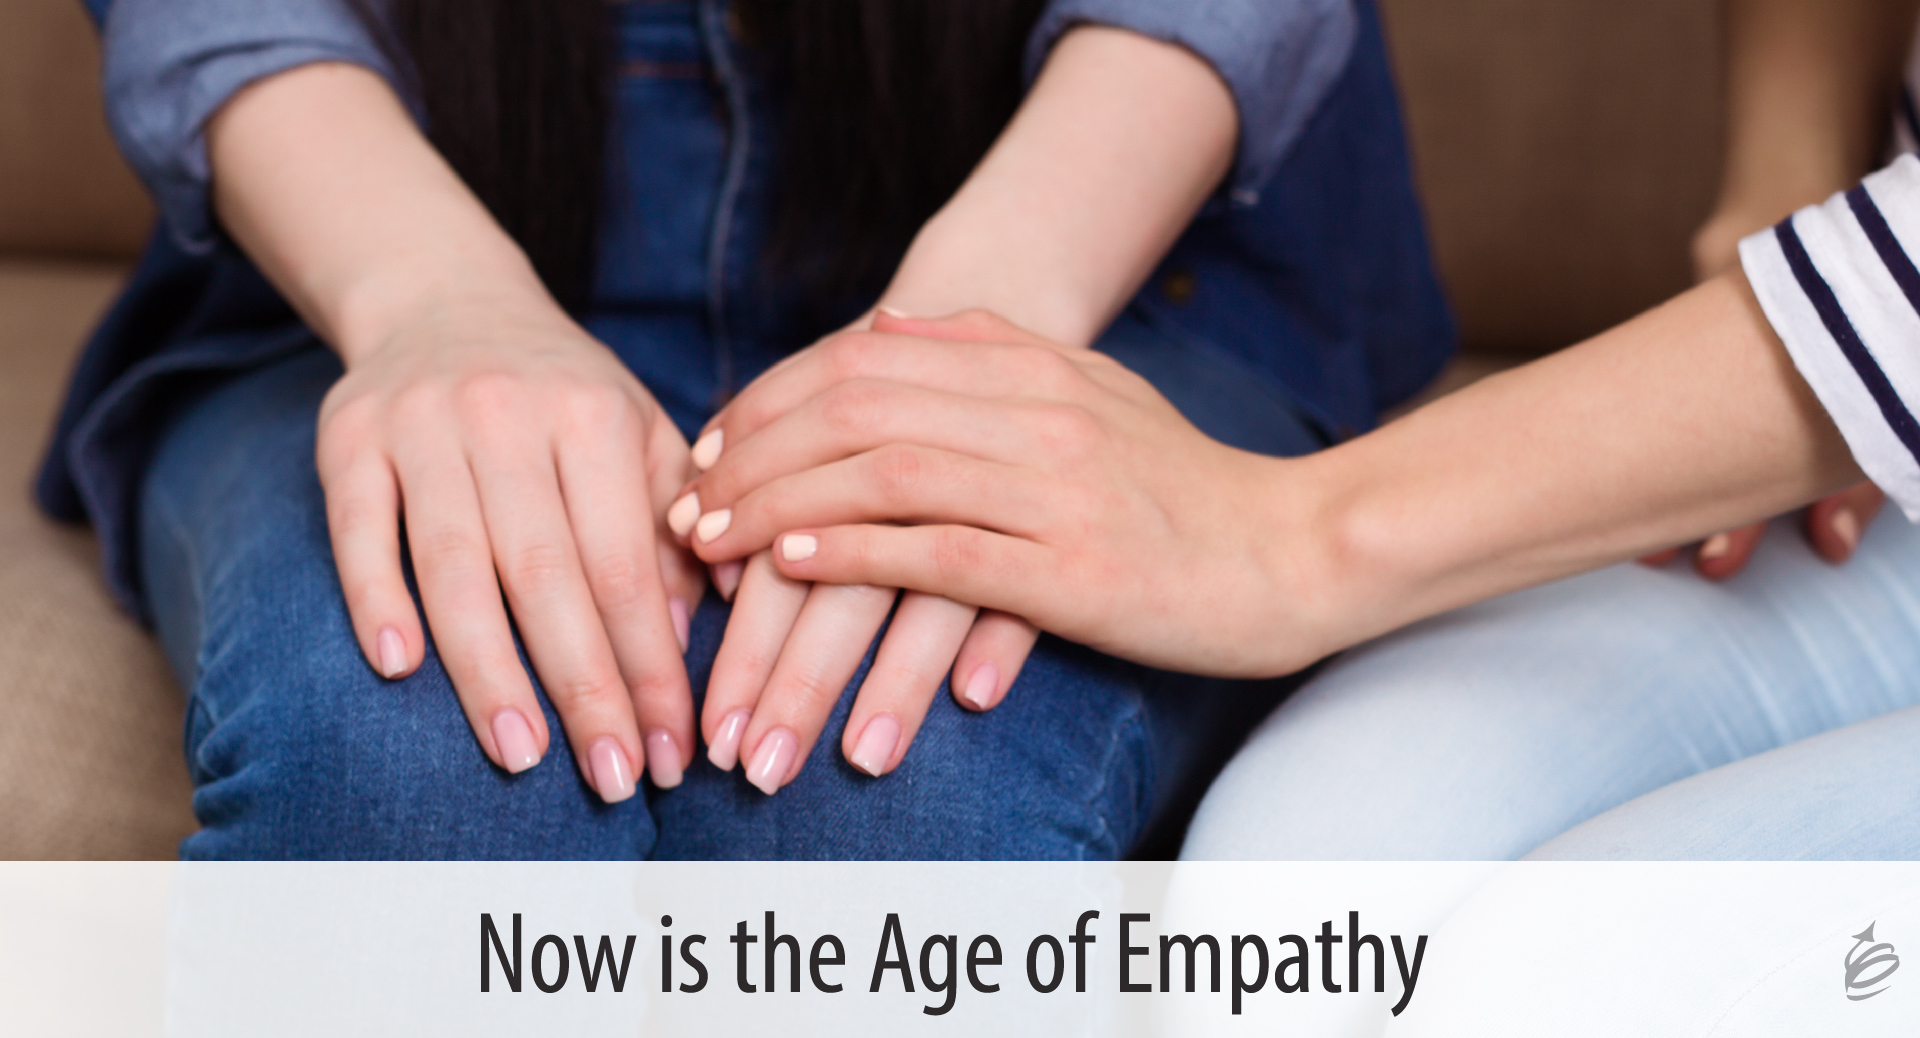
(954, 265)
(375, 308)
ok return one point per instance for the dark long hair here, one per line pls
(888, 105)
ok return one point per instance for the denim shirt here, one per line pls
(1311, 267)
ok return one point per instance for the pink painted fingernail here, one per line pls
(684, 513)
(773, 760)
(682, 620)
(393, 652)
(706, 450)
(980, 687)
(1716, 546)
(713, 524)
(876, 745)
(724, 750)
(726, 578)
(798, 547)
(513, 739)
(1846, 526)
(612, 774)
(663, 759)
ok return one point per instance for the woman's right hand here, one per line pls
(526, 459)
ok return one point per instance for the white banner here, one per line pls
(797, 949)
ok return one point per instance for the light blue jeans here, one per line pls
(1628, 713)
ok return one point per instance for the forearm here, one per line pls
(323, 179)
(1117, 145)
(1689, 419)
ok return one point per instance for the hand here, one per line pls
(1834, 525)
(1046, 482)
(789, 650)
(526, 458)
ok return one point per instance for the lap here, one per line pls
(298, 749)
(1486, 732)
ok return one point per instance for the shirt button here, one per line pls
(1179, 287)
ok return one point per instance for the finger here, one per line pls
(978, 567)
(538, 560)
(1836, 523)
(990, 370)
(453, 563)
(852, 418)
(1724, 554)
(825, 647)
(990, 660)
(968, 325)
(363, 520)
(897, 483)
(914, 656)
(765, 606)
(601, 480)
(1660, 558)
(668, 469)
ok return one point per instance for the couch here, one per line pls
(1565, 150)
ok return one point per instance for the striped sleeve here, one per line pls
(1839, 284)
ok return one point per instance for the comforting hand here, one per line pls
(525, 458)
(1045, 482)
(790, 648)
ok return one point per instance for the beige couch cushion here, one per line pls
(90, 718)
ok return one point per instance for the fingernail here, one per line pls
(663, 759)
(706, 450)
(1846, 526)
(713, 524)
(798, 547)
(726, 578)
(393, 653)
(1716, 546)
(683, 514)
(772, 760)
(513, 738)
(979, 690)
(724, 750)
(876, 744)
(612, 775)
(891, 312)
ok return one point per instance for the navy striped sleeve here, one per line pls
(1838, 282)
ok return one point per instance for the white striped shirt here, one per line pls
(1839, 284)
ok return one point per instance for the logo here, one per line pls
(1869, 965)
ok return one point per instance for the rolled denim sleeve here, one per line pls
(1278, 57)
(171, 64)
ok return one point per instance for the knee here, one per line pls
(315, 756)
(1060, 769)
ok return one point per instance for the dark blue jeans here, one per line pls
(298, 749)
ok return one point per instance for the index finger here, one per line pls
(967, 368)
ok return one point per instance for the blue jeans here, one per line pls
(298, 749)
(1770, 717)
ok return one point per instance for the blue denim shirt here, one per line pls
(1311, 271)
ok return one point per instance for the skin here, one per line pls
(1810, 93)
(537, 475)
(1115, 523)
(1115, 148)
